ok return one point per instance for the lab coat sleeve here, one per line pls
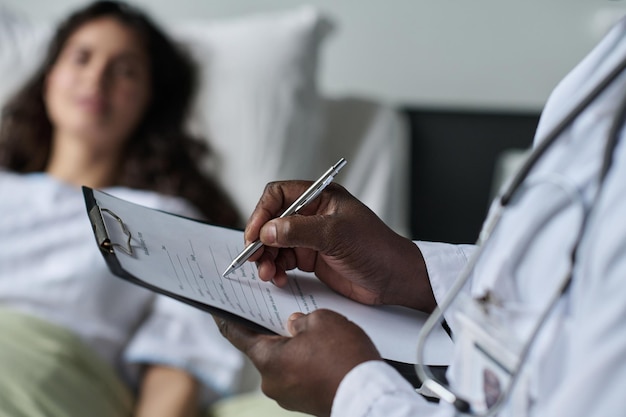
(375, 389)
(444, 263)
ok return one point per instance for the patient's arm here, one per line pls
(167, 391)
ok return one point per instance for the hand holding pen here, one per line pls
(309, 195)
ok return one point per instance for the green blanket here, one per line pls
(253, 404)
(46, 370)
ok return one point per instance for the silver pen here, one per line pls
(313, 191)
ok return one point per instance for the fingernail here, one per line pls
(295, 316)
(222, 325)
(291, 323)
(270, 233)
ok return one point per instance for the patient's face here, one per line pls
(99, 88)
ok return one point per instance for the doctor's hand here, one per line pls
(303, 372)
(348, 247)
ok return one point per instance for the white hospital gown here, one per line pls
(50, 267)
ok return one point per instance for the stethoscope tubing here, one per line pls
(437, 316)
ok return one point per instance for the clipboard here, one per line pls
(108, 248)
(175, 256)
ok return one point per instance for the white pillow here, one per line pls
(258, 103)
(22, 48)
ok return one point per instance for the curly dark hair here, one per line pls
(161, 155)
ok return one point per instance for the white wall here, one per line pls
(471, 53)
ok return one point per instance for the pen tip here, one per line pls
(228, 270)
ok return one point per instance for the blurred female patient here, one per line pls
(107, 109)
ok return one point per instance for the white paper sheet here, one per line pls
(187, 258)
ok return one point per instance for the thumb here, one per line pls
(297, 323)
(309, 232)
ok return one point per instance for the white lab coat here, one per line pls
(577, 365)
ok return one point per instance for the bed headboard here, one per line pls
(427, 172)
(453, 156)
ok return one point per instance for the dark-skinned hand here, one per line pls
(303, 372)
(340, 239)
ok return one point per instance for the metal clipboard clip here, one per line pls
(100, 230)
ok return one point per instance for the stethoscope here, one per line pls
(430, 382)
